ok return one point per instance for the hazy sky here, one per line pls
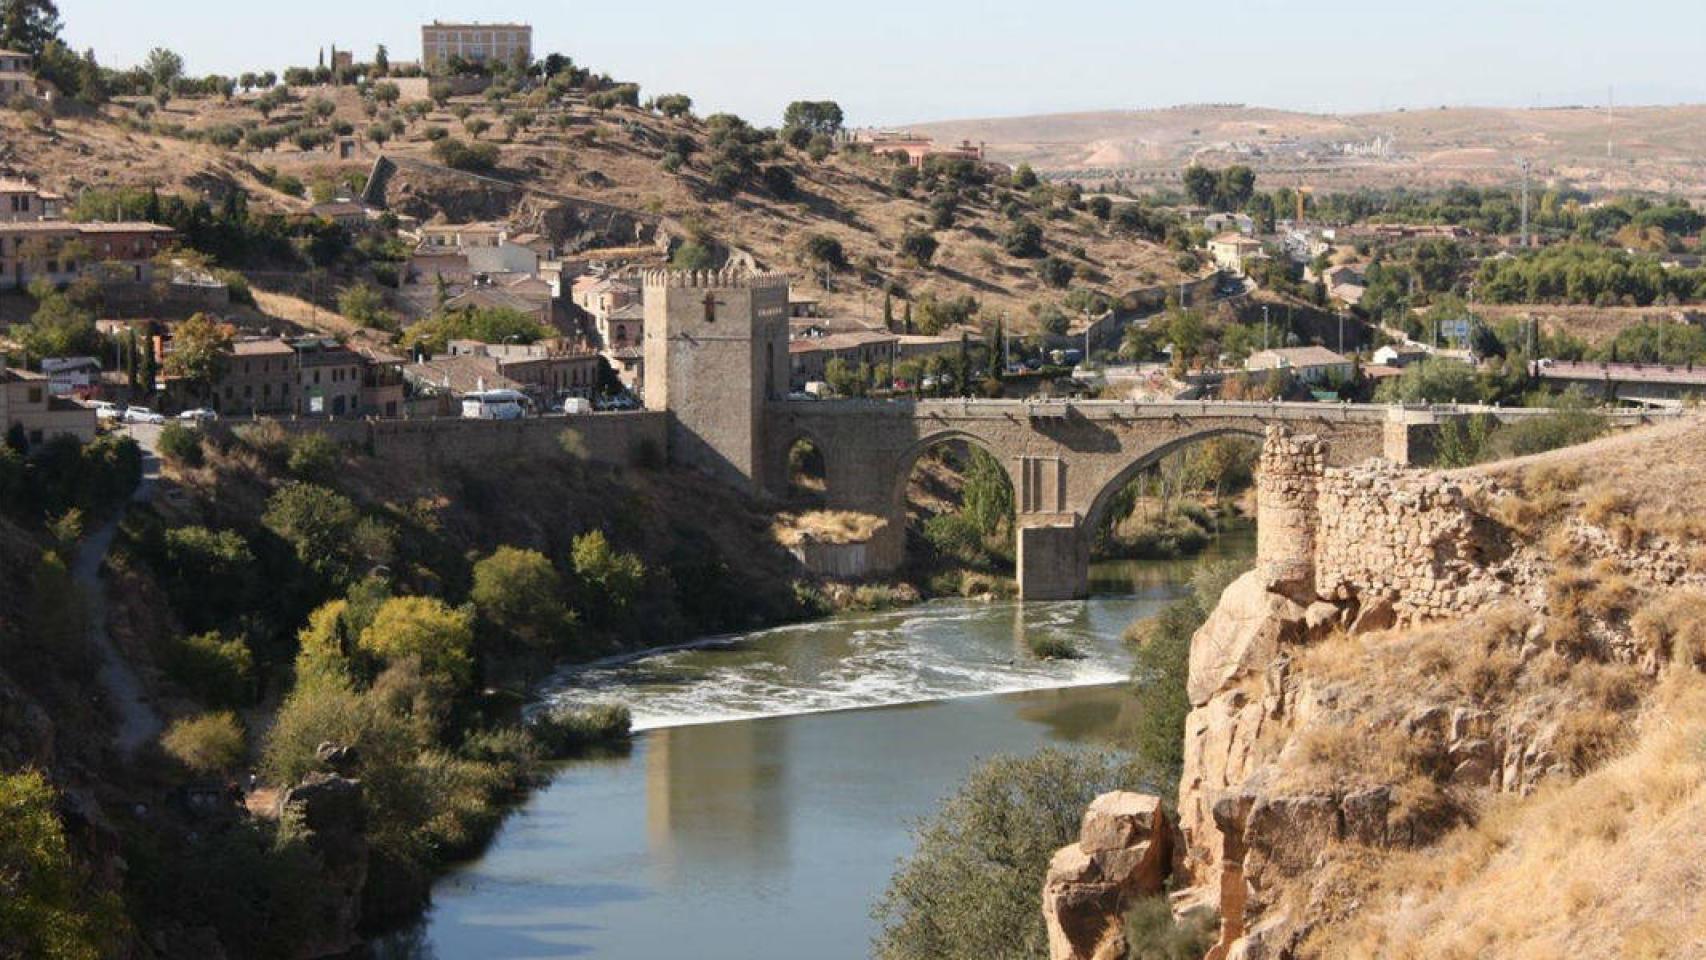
(891, 61)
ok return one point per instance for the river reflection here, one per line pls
(771, 836)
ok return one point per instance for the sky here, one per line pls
(890, 62)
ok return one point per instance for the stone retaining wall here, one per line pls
(618, 439)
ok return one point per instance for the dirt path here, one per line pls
(137, 721)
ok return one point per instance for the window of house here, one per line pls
(35, 394)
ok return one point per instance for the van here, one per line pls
(577, 405)
(494, 405)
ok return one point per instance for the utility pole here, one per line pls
(1264, 326)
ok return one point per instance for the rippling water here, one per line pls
(762, 810)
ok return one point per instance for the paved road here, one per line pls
(138, 722)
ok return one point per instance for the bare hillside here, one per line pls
(1655, 148)
(617, 157)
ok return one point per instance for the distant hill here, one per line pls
(1653, 148)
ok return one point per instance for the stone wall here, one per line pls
(618, 439)
(1410, 546)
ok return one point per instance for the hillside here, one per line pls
(571, 153)
(1382, 748)
(1654, 148)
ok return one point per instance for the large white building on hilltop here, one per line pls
(475, 43)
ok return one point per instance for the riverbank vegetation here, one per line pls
(307, 611)
(1176, 508)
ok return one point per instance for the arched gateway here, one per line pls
(716, 359)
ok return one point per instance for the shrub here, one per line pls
(565, 730)
(970, 887)
(320, 524)
(918, 246)
(1153, 934)
(313, 456)
(209, 744)
(1024, 239)
(219, 672)
(181, 444)
(1048, 646)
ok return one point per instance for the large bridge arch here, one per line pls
(1095, 513)
(907, 460)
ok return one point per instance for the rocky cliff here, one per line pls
(1419, 661)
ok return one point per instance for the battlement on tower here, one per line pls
(730, 278)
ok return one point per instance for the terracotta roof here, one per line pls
(629, 311)
(493, 297)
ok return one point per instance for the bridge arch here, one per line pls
(1095, 514)
(907, 459)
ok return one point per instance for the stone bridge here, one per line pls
(1065, 459)
(717, 364)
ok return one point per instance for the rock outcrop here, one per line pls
(1123, 852)
(333, 810)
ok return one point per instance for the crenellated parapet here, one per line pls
(730, 278)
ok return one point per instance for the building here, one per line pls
(61, 251)
(912, 346)
(474, 43)
(487, 296)
(458, 252)
(914, 148)
(1218, 223)
(545, 371)
(1307, 364)
(345, 213)
(1234, 252)
(17, 78)
(382, 390)
(21, 201)
(1400, 354)
(28, 407)
(72, 376)
(809, 358)
(309, 376)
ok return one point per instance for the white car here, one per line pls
(142, 415)
(107, 410)
(199, 415)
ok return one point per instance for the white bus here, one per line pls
(494, 405)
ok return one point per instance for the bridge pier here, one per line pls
(1053, 558)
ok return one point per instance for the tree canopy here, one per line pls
(28, 25)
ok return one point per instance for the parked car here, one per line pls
(142, 415)
(199, 415)
(107, 410)
(575, 405)
(616, 401)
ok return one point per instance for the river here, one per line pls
(776, 776)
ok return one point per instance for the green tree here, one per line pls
(1056, 272)
(319, 524)
(826, 250)
(674, 105)
(610, 579)
(201, 353)
(426, 629)
(164, 67)
(28, 26)
(813, 116)
(519, 595)
(48, 908)
(969, 890)
(1201, 185)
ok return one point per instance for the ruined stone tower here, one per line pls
(716, 350)
(1287, 492)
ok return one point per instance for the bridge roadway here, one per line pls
(1066, 459)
